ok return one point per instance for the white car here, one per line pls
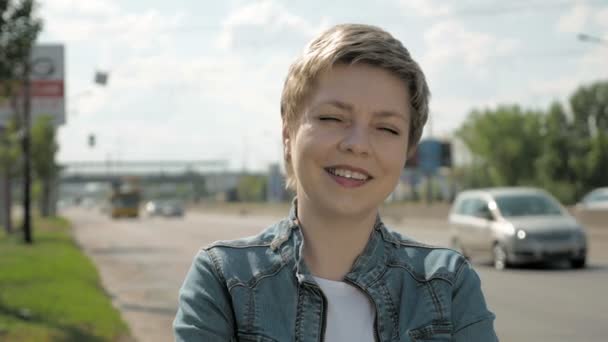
(167, 208)
(514, 226)
(595, 200)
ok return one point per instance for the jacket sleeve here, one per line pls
(204, 310)
(472, 321)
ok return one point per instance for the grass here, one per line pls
(50, 291)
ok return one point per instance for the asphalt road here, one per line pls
(143, 262)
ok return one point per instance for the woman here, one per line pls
(353, 107)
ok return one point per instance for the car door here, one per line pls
(460, 223)
(481, 223)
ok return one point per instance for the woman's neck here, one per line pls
(331, 242)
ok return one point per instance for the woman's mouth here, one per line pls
(347, 177)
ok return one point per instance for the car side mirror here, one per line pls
(485, 213)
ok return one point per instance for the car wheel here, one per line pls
(457, 246)
(578, 262)
(500, 257)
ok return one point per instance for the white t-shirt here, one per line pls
(350, 314)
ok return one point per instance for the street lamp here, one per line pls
(592, 39)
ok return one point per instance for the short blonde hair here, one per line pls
(350, 44)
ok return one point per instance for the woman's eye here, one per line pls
(330, 118)
(390, 130)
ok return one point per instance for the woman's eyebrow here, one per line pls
(350, 108)
(336, 103)
(390, 114)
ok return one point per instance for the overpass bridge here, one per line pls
(105, 171)
(208, 176)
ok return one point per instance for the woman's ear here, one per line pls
(286, 143)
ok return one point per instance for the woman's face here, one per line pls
(351, 143)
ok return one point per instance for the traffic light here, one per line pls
(91, 140)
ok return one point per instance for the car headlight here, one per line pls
(521, 234)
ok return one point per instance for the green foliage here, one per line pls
(590, 109)
(10, 149)
(52, 292)
(565, 154)
(506, 139)
(19, 29)
(44, 147)
(597, 159)
(472, 176)
(251, 188)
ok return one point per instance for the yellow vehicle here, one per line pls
(125, 203)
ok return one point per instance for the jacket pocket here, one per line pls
(245, 337)
(436, 331)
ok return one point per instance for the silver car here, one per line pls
(166, 208)
(515, 226)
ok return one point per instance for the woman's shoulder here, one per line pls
(263, 239)
(244, 260)
(425, 261)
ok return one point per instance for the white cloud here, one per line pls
(79, 7)
(575, 20)
(589, 68)
(264, 23)
(449, 42)
(104, 22)
(601, 17)
(426, 8)
(171, 97)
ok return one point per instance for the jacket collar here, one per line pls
(368, 266)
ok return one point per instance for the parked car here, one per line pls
(514, 226)
(171, 207)
(594, 200)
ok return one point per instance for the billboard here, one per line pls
(47, 86)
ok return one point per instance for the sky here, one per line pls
(201, 80)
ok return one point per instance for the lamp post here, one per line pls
(592, 39)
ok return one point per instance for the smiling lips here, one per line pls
(348, 177)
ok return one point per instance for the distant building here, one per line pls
(275, 187)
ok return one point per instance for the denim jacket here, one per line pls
(259, 289)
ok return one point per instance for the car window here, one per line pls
(526, 205)
(597, 196)
(479, 208)
(471, 207)
(460, 206)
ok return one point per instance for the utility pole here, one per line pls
(27, 223)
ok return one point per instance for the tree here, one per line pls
(505, 141)
(555, 165)
(565, 154)
(9, 156)
(18, 32)
(19, 29)
(44, 149)
(597, 161)
(590, 109)
(590, 127)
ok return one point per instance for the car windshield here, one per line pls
(598, 196)
(125, 200)
(526, 205)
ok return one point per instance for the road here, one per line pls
(143, 262)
